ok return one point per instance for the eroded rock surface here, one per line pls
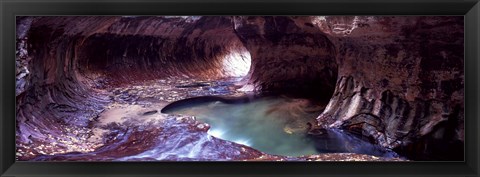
(395, 81)
(72, 62)
(400, 82)
(400, 79)
(289, 55)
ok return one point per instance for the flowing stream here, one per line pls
(143, 125)
(274, 125)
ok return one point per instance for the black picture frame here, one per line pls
(9, 9)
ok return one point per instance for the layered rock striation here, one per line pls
(65, 63)
(396, 81)
(289, 55)
(400, 82)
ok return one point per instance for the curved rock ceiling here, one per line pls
(396, 80)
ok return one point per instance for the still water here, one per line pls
(273, 125)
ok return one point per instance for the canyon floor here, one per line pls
(131, 127)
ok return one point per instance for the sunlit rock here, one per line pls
(87, 88)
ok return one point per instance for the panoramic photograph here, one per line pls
(240, 88)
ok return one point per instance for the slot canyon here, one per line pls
(240, 88)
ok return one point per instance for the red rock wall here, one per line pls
(289, 55)
(400, 81)
(397, 80)
(145, 47)
(69, 57)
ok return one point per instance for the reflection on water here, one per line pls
(336, 141)
(132, 129)
(271, 125)
(275, 126)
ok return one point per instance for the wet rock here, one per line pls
(367, 126)
(338, 141)
(392, 68)
(193, 85)
(150, 112)
(412, 102)
(172, 140)
(203, 126)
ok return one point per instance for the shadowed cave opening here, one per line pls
(188, 88)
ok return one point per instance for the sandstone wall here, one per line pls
(289, 55)
(400, 81)
(397, 81)
(62, 61)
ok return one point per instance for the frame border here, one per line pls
(470, 9)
